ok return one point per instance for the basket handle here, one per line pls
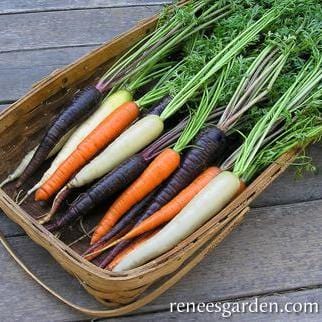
(112, 312)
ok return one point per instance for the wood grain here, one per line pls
(271, 251)
(23, 6)
(289, 188)
(35, 304)
(19, 70)
(3, 107)
(30, 31)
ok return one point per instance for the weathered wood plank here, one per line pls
(8, 227)
(37, 305)
(3, 107)
(20, 69)
(56, 29)
(277, 300)
(289, 188)
(276, 248)
(23, 6)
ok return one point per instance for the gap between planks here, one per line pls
(87, 45)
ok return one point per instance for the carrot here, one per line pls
(90, 257)
(160, 168)
(172, 208)
(251, 157)
(113, 252)
(117, 181)
(135, 244)
(149, 51)
(25, 161)
(102, 135)
(82, 106)
(108, 105)
(205, 150)
(100, 248)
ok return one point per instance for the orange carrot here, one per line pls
(110, 128)
(158, 170)
(172, 208)
(135, 244)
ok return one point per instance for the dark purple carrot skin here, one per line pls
(112, 253)
(158, 109)
(82, 106)
(138, 215)
(206, 149)
(112, 183)
(130, 218)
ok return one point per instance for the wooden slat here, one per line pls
(3, 107)
(289, 188)
(23, 6)
(20, 69)
(276, 248)
(281, 300)
(56, 29)
(8, 227)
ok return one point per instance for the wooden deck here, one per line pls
(275, 254)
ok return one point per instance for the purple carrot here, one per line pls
(158, 108)
(137, 214)
(119, 178)
(83, 105)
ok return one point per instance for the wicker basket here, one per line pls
(20, 130)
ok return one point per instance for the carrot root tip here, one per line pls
(18, 195)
